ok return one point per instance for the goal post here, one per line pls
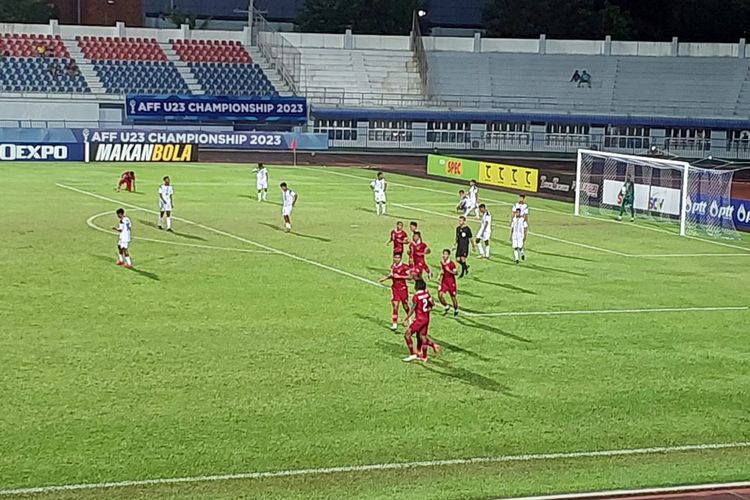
(693, 200)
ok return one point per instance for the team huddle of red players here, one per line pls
(421, 302)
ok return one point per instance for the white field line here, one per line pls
(377, 467)
(609, 311)
(233, 236)
(538, 209)
(90, 223)
(640, 492)
(553, 238)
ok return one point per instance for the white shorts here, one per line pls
(165, 207)
(379, 197)
(485, 235)
(123, 243)
(261, 185)
(517, 242)
(286, 211)
(469, 206)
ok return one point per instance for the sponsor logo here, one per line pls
(454, 167)
(40, 152)
(509, 176)
(716, 210)
(555, 184)
(591, 189)
(145, 152)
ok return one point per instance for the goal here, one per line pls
(694, 200)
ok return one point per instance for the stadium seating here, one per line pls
(355, 76)
(645, 85)
(223, 67)
(132, 65)
(26, 68)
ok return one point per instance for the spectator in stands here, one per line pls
(585, 79)
(54, 69)
(41, 50)
(576, 77)
(72, 69)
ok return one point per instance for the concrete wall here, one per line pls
(23, 109)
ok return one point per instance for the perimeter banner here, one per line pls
(455, 168)
(509, 176)
(157, 108)
(207, 139)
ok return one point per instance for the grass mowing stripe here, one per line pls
(230, 235)
(378, 467)
(611, 311)
(553, 238)
(90, 223)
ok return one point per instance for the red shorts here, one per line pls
(400, 295)
(420, 327)
(419, 268)
(449, 288)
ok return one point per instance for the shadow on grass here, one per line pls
(293, 233)
(507, 286)
(175, 233)
(537, 267)
(447, 369)
(491, 329)
(372, 212)
(562, 255)
(460, 350)
(255, 199)
(141, 272)
(383, 325)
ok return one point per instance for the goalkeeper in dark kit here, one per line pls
(627, 195)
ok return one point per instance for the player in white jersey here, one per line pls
(472, 200)
(288, 199)
(166, 203)
(261, 182)
(484, 233)
(379, 186)
(124, 227)
(518, 234)
(521, 205)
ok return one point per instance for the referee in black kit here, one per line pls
(463, 240)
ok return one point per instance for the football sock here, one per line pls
(515, 254)
(260, 197)
(377, 208)
(119, 257)
(169, 222)
(409, 344)
(480, 247)
(159, 221)
(425, 344)
(127, 261)
(487, 251)
(523, 252)
(265, 195)
(383, 208)
(394, 316)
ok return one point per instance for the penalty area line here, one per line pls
(608, 311)
(543, 236)
(658, 450)
(229, 235)
(90, 223)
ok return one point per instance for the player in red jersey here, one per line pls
(418, 249)
(423, 304)
(448, 282)
(399, 291)
(398, 238)
(128, 180)
(413, 229)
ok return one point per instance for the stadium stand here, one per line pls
(223, 67)
(360, 76)
(132, 65)
(673, 86)
(38, 63)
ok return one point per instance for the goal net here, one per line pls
(694, 200)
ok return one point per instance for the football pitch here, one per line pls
(238, 361)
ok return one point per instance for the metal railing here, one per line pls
(282, 55)
(420, 54)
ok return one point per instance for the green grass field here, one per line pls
(235, 348)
